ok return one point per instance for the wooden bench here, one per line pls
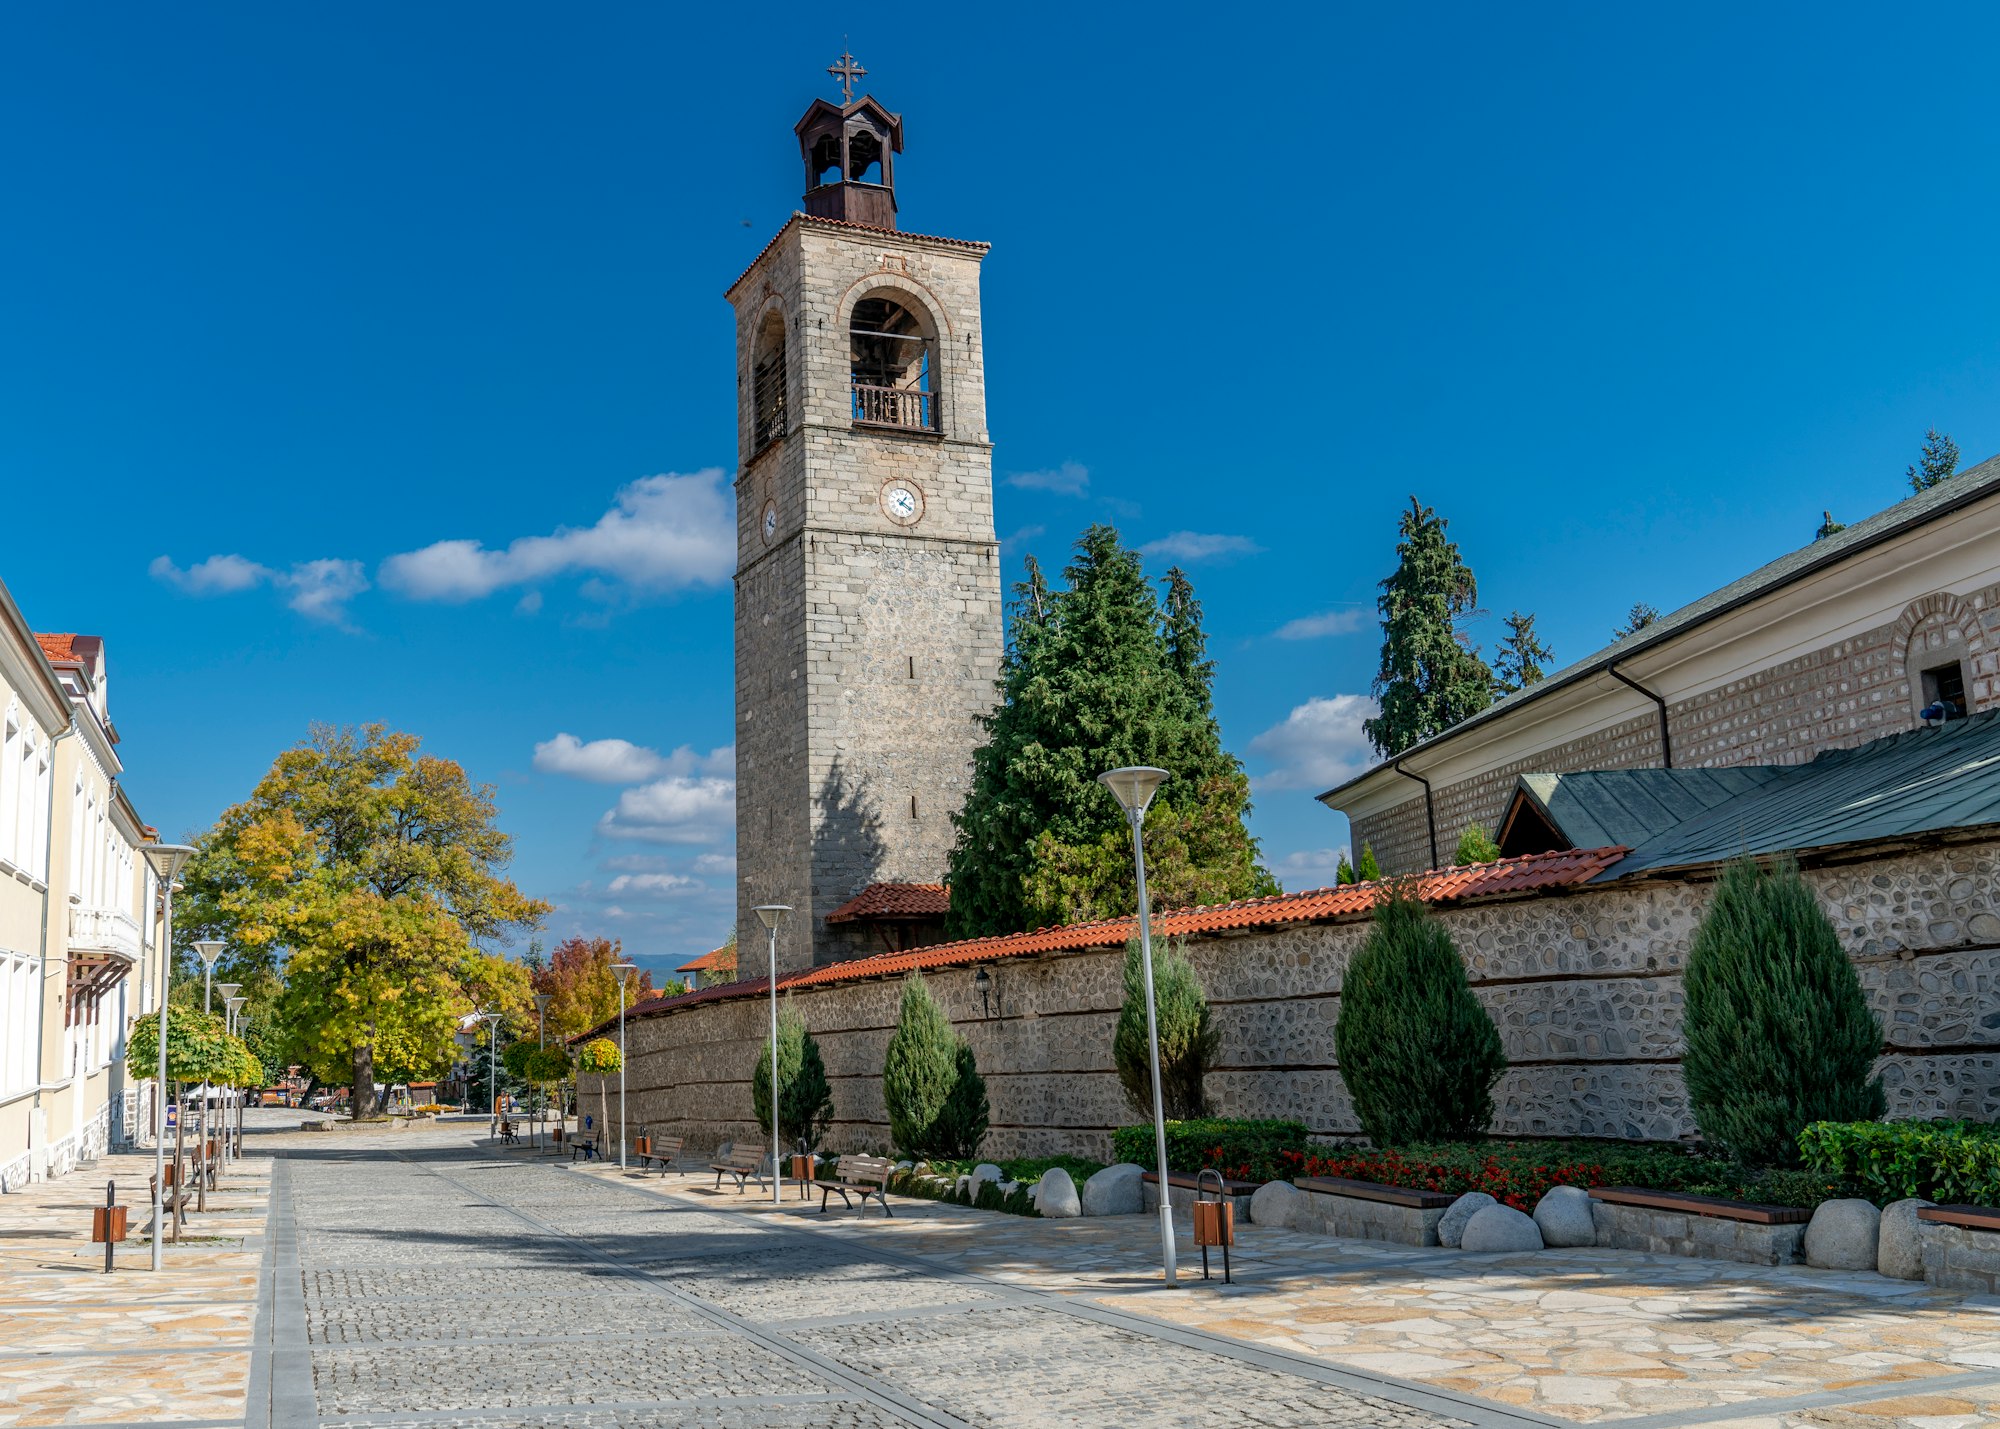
(1749, 1212)
(583, 1146)
(1375, 1191)
(745, 1163)
(173, 1200)
(508, 1135)
(664, 1149)
(864, 1176)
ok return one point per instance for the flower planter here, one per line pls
(1368, 1210)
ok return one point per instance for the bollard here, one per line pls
(108, 1223)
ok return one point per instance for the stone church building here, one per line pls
(868, 614)
(1842, 641)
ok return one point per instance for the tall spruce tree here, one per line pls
(1637, 618)
(1096, 676)
(1938, 460)
(1522, 660)
(1431, 677)
(1779, 1032)
(930, 1083)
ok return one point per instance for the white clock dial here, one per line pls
(902, 502)
(770, 520)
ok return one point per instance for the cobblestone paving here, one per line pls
(450, 1286)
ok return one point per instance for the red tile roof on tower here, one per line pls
(893, 900)
(1507, 878)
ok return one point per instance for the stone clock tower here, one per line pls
(868, 622)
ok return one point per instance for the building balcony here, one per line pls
(905, 408)
(105, 930)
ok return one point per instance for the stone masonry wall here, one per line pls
(1584, 986)
(1847, 693)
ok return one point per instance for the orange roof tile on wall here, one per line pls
(1509, 877)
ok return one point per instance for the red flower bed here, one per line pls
(1511, 1183)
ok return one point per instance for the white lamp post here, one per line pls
(231, 1005)
(492, 1020)
(624, 971)
(209, 949)
(542, 1029)
(1134, 789)
(772, 916)
(165, 860)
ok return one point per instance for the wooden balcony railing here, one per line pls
(896, 407)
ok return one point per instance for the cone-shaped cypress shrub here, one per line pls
(920, 1072)
(1778, 1031)
(961, 1124)
(1417, 1051)
(805, 1100)
(1188, 1041)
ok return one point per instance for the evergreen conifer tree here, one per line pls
(1778, 1032)
(1475, 845)
(1637, 618)
(805, 1099)
(1188, 1038)
(1828, 526)
(1418, 1052)
(1367, 869)
(1097, 676)
(1522, 660)
(1937, 461)
(1343, 872)
(1430, 677)
(930, 1082)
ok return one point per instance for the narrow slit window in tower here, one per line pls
(768, 384)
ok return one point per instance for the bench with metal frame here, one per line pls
(745, 1163)
(863, 1176)
(664, 1149)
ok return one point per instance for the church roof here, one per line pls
(883, 901)
(1514, 877)
(1975, 484)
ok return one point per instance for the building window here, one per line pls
(1944, 691)
(893, 362)
(769, 417)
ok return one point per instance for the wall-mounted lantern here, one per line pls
(983, 980)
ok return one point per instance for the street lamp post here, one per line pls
(772, 916)
(492, 1020)
(209, 950)
(165, 860)
(542, 1027)
(1134, 789)
(624, 971)
(232, 1005)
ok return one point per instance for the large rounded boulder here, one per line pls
(1899, 1243)
(1563, 1215)
(1498, 1229)
(1275, 1203)
(1056, 1194)
(1842, 1235)
(1451, 1228)
(1115, 1191)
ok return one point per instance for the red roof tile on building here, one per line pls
(723, 957)
(1509, 877)
(59, 647)
(893, 900)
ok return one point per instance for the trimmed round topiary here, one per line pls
(1418, 1052)
(1779, 1033)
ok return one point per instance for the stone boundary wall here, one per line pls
(1585, 987)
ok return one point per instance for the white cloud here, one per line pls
(1199, 546)
(661, 532)
(1026, 533)
(663, 885)
(318, 590)
(1313, 627)
(1309, 868)
(1319, 745)
(677, 810)
(1069, 479)
(619, 761)
(716, 865)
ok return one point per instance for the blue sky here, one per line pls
(1630, 295)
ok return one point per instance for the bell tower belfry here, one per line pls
(868, 620)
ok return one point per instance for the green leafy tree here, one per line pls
(1637, 618)
(1522, 660)
(366, 875)
(1430, 677)
(805, 1098)
(1418, 1052)
(198, 1047)
(1828, 526)
(930, 1083)
(601, 1058)
(1189, 1039)
(1937, 461)
(1367, 870)
(1778, 1032)
(1475, 845)
(1343, 871)
(1097, 676)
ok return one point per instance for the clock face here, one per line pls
(902, 503)
(770, 519)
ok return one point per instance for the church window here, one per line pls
(892, 356)
(768, 415)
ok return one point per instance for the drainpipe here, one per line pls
(48, 897)
(1666, 739)
(1430, 809)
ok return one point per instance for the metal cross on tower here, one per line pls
(847, 71)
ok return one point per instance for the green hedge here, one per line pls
(1947, 1161)
(1241, 1149)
